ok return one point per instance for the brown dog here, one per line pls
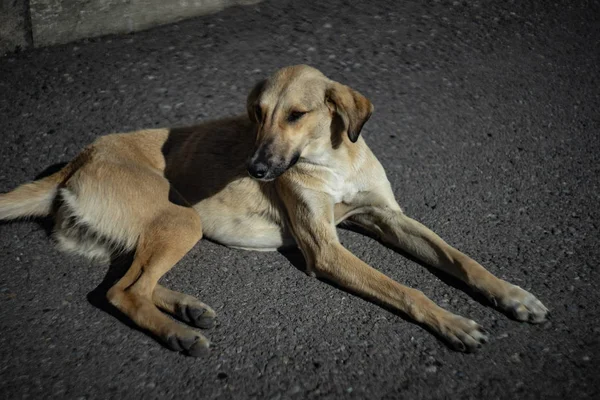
(285, 174)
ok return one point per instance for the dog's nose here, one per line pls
(258, 170)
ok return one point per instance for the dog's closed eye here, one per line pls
(296, 115)
(258, 112)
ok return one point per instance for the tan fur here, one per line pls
(157, 192)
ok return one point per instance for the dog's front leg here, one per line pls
(397, 230)
(311, 216)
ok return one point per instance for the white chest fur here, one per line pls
(342, 187)
(343, 179)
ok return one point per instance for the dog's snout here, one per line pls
(260, 163)
(267, 163)
(258, 169)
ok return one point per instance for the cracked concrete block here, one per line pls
(14, 32)
(62, 21)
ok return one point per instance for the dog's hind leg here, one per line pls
(185, 307)
(164, 241)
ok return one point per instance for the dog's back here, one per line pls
(103, 200)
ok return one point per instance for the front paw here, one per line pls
(461, 333)
(523, 306)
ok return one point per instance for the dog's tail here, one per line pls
(33, 199)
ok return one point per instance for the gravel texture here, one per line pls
(487, 122)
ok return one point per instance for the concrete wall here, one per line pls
(15, 33)
(25, 23)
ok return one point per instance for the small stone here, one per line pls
(586, 358)
(516, 358)
(432, 369)
(327, 26)
(295, 389)
(519, 384)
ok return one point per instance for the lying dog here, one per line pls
(286, 174)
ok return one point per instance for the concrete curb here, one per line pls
(15, 29)
(38, 23)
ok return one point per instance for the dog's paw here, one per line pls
(197, 314)
(462, 334)
(189, 342)
(523, 306)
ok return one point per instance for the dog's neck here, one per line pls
(323, 154)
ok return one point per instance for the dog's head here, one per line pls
(298, 112)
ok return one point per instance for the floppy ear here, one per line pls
(352, 107)
(252, 101)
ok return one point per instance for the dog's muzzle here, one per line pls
(260, 165)
(264, 166)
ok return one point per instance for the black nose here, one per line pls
(258, 169)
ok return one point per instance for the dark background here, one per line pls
(487, 121)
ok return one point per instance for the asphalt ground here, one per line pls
(487, 121)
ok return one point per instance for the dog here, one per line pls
(283, 175)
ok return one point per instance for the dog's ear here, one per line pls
(252, 101)
(353, 108)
